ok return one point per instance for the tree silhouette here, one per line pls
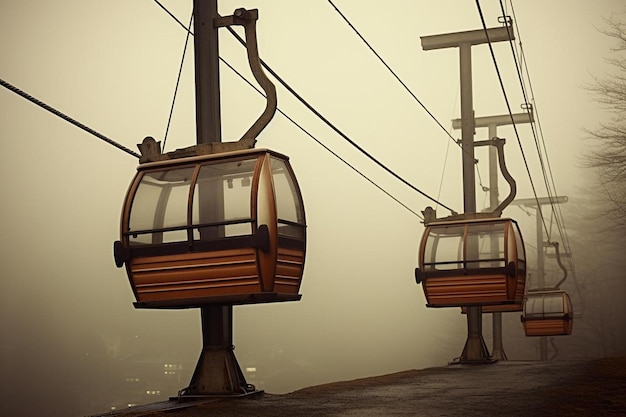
(608, 158)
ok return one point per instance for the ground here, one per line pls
(506, 388)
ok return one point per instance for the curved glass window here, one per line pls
(547, 305)
(211, 200)
(489, 241)
(159, 207)
(533, 306)
(289, 207)
(473, 245)
(444, 248)
(553, 305)
(213, 218)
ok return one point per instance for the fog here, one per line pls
(72, 343)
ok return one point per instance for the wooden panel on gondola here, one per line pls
(226, 228)
(498, 308)
(472, 262)
(547, 313)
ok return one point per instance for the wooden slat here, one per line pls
(195, 275)
(211, 274)
(289, 270)
(450, 291)
(548, 327)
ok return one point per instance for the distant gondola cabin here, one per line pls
(472, 262)
(224, 228)
(547, 313)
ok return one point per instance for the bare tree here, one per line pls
(608, 158)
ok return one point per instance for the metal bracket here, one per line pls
(247, 19)
(151, 149)
(430, 215)
(560, 263)
(499, 144)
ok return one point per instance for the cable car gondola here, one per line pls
(466, 262)
(184, 249)
(547, 313)
(218, 223)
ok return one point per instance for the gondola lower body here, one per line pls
(216, 277)
(558, 326)
(462, 289)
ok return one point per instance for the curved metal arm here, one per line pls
(151, 149)
(558, 261)
(499, 144)
(247, 19)
(430, 215)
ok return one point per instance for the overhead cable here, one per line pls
(339, 132)
(319, 116)
(508, 105)
(541, 158)
(555, 208)
(180, 71)
(66, 117)
(182, 25)
(393, 72)
(371, 48)
(320, 143)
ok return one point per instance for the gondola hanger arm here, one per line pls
(430, 215)
(560, 263)
(247, 19)
(499, 144)
(151, 149)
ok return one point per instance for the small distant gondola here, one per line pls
(469, 262)
(547, 313)
(225, 228)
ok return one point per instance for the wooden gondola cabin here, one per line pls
(472, 262)
(547, 313)
(226, 228)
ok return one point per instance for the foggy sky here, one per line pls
(112, 65)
